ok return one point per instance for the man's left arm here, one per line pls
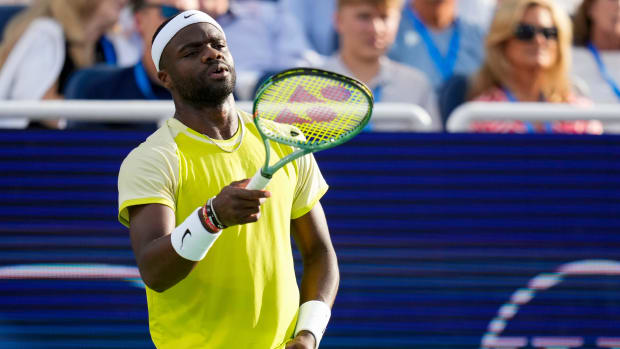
(319, 283)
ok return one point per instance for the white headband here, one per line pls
(179, 22)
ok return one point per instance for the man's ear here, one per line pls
(165, 80)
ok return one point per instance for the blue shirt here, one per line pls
(264, 37)
(317, 17)
(409, 48)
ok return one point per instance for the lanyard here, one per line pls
(377, 93)
(603, 70)
(109, 54)
(144, 84)
(528, 125)
(446, 64)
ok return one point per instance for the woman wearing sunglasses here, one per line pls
(597, 49)
(527, 59)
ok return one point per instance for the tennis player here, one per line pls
(216, 257)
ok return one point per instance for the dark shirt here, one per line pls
(118, 83)
(69, 66)
(112, 83)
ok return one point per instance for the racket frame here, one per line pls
(301, 149)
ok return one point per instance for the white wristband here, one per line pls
(190, 239)
(313, 316)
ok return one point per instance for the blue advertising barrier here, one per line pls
(443, 240)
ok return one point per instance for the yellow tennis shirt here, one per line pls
(243, 294)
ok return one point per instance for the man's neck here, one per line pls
(604, 40)
(526, 84)
(363, 69)
(434, 17)
(217, 122)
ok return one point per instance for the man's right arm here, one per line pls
(159, 264)
(151, 227)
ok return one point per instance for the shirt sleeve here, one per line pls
(311, 186)
(38, 59)
(147, 176)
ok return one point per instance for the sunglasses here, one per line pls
(527, 32)
(166, 11)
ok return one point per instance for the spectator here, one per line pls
(44, 44)
(137, 82)
(316, 18)
(140, 80)
(434, 40)
(367, 29)
(263, 37)
(597, 51)
(528, 54)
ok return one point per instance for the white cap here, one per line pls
(179, 22)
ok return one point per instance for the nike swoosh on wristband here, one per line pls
(188, 16)
(187, 232)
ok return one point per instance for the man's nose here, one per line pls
(210, 53)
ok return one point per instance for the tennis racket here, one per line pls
(310, 110)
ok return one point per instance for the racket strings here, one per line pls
(323, 109)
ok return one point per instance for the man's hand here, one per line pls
(304, 340)
(237, 205)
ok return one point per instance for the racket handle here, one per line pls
(259, 181)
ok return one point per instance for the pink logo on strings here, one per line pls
(315, 113)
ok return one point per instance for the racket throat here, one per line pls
(265, 174)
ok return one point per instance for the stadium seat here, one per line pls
(82, 83)
(451, 94)
(6, 13)
(94, 83)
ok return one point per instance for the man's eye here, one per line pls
(190, 53)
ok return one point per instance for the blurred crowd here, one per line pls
(437, 54)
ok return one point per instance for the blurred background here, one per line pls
(478, 210)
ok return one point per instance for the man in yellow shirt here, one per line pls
(216, 258)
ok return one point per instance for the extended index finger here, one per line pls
(247, 194)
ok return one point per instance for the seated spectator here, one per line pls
(316, 18)
(263, 37)
(139, 81)
(44, 44)
(596, 55)
(434, 40)
(528, 50)
(366, 29)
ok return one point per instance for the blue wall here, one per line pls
(434, 233)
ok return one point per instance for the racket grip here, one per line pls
(259, 181)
